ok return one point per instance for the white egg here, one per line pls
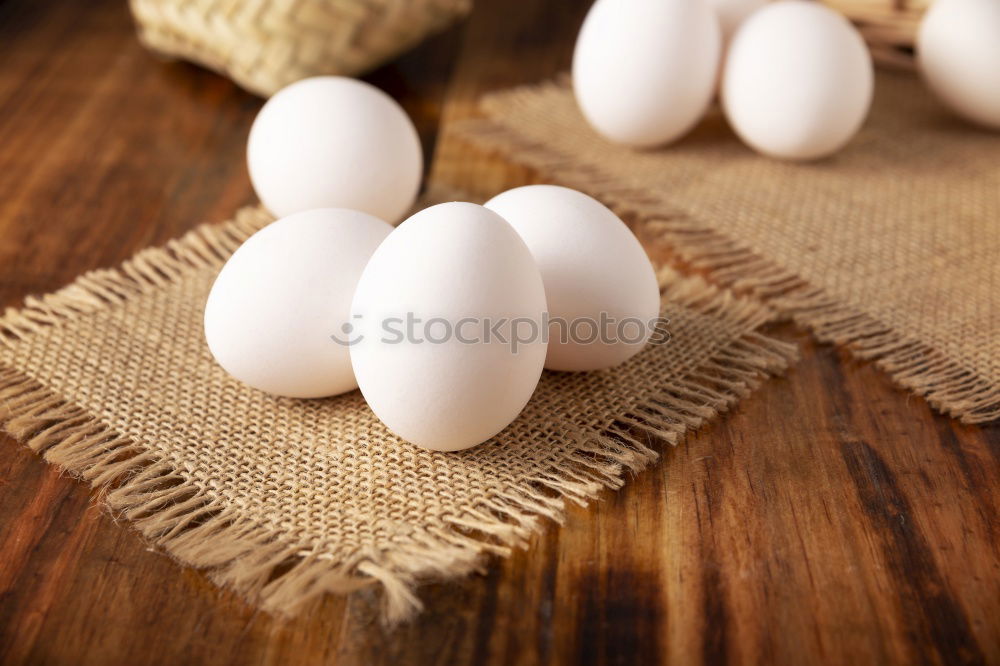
(798, 80)
(433, 355)
(644, 71)
(958, 49)
(334, 142)
(282, 295)
(598, 280)
(733, 12)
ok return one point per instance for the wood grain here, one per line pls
(830, 519)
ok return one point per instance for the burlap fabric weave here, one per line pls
(891, 247)
(286, 499)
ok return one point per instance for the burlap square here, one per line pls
(891, 247)
(283, 499)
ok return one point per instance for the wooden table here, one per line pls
(831, 519)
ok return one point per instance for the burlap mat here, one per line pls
(283, 499)
(892, 247)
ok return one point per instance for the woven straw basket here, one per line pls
(889, 26)
(263, 45)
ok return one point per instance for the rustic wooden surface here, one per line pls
(830, 519)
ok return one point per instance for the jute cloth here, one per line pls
(264, 46)
(891, 247)
(284, 499)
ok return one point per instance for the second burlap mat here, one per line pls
(283, 499)
(891, 247)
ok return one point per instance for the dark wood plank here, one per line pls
(830, 519)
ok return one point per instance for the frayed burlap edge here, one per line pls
(191, 523)
(945, 383)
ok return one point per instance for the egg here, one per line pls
(334, 142)
(644, 71)
(448, 316)
(958, 51)
(279, 301)
(798, 81)
(598, 279)
(733, 12)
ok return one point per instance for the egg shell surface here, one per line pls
(798, 81)
(644, 71)
(958, 50)
(444, 383)
(334, 142)
(280, 297)
(594, 270)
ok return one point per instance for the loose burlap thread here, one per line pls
(890, 247)
(283, 499)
